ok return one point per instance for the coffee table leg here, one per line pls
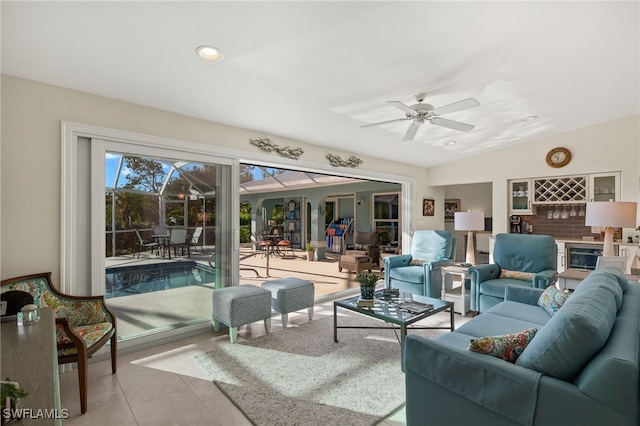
(335, 323)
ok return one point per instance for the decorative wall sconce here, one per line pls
(266, 145)
(337, 161)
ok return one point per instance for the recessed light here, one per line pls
(209, 53)
(450, 143)
(530, 118)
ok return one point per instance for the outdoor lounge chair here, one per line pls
(178, 239)
(142, 244)
(196, 239)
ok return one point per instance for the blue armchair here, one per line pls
(519, 259)
(419, 272)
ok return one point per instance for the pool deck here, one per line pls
(141, 312)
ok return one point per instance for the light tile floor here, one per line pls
(163, 386)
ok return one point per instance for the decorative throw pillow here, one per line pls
(417, 262)
(361, 246)
(517, 275)
(552, 299)
(507, 347)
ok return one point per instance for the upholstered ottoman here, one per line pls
(240, 305)
(355, 263)
(289, 295)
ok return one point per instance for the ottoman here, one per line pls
(355, 263)
(289, 295)
(240, 305)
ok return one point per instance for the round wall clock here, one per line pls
(558, 157)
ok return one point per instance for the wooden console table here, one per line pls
(30, 358)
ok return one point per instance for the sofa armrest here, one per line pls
(522, 294)
(544, 279)
(480, 273)
(396, 261)
(493, 384)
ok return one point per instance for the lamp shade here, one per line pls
(468, 221)
(618, 214)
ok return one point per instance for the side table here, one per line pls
(460, 297)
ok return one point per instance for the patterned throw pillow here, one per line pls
(417, 262)
(517, 275)
(552, 299)
(507, 347)
(361, 246)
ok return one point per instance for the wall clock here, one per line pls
(558, 157)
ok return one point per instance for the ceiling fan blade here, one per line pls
(411, 131)
(403, 107)
(385, 122)
(456, 106)
(455, 125)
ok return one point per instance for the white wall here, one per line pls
(605, 147)
(30, 161)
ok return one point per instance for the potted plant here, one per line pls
(368, 281)
(309, 248)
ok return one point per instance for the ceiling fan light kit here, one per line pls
(421, 112)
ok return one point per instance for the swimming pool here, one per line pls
(136, 279)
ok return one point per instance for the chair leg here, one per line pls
(310, 312)
(114, 354)
(83, 382)
(285, 320)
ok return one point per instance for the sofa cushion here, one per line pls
(517, 275)
(533, 314)
(552, 299)
(497, 287)
(613, 280)
(507, 347)
(573, 335)
(490, 324)
(410, 274)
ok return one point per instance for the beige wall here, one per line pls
(606, 147)
(30, 158)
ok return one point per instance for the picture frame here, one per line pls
(428, 207)
(451, 206)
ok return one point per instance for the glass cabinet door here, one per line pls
(604, 186)
(520, 194)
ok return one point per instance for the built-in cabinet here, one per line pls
(525, 194)
(604, 186)
(520, 202)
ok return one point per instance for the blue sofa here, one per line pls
(581, 368)
(419, 271)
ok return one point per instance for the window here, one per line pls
(386, 218)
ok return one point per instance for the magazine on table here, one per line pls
(414, 307)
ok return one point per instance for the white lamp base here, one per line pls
(471, 251)
(607, 250)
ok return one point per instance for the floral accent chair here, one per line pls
(83, 324)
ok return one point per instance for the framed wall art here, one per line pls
(428, 207)
(450, 207)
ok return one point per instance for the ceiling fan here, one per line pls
(419, 113)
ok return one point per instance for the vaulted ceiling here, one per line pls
(317, 71)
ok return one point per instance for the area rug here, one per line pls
(300, 376)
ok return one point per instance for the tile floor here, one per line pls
(163, 386)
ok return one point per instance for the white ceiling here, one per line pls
(317, 71)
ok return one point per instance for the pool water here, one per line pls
(127, 280)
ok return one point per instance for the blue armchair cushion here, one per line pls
(507, 347)
(517, 275)
(552, 299)
(497, 287)
(573, 335)
(410, 274)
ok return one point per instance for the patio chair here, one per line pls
(178, 239)
(142, 244)
(196, 239)
(83, 324)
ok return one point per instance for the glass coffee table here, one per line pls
(389, 309)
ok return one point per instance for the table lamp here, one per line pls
(618, 214)
(469, 221)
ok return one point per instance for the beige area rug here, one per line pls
(300, 376)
